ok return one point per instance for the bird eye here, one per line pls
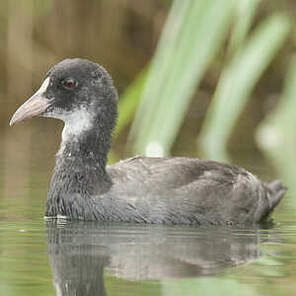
(69, 83)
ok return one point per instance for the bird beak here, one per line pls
(33, 107)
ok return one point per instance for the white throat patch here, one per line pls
(76, 122)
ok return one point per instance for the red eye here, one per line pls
(69, 83)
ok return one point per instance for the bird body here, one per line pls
(176, 190)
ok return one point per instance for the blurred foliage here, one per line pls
(129, 102)
(244, 14)
(193, 33)
(276, 134)
(186, 48)
(237, 81)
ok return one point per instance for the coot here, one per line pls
(177, 190)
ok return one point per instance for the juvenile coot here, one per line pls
(176, 190)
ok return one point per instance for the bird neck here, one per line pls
(81, 160)
(85, 152)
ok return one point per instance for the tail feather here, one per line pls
(277, 191)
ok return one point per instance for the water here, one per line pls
(40, 257)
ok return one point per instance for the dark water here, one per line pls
(40, 257)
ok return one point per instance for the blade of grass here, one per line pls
(245, 13)
(178, 66)
(129, 102)
(127, 107)
(237, 82)
(159, 67)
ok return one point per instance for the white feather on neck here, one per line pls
(76, 122)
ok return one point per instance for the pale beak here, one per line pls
(33, 107)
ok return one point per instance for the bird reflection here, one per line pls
(80, 252)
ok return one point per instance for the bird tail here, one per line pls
(277, 191)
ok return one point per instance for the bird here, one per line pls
(150, 190)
